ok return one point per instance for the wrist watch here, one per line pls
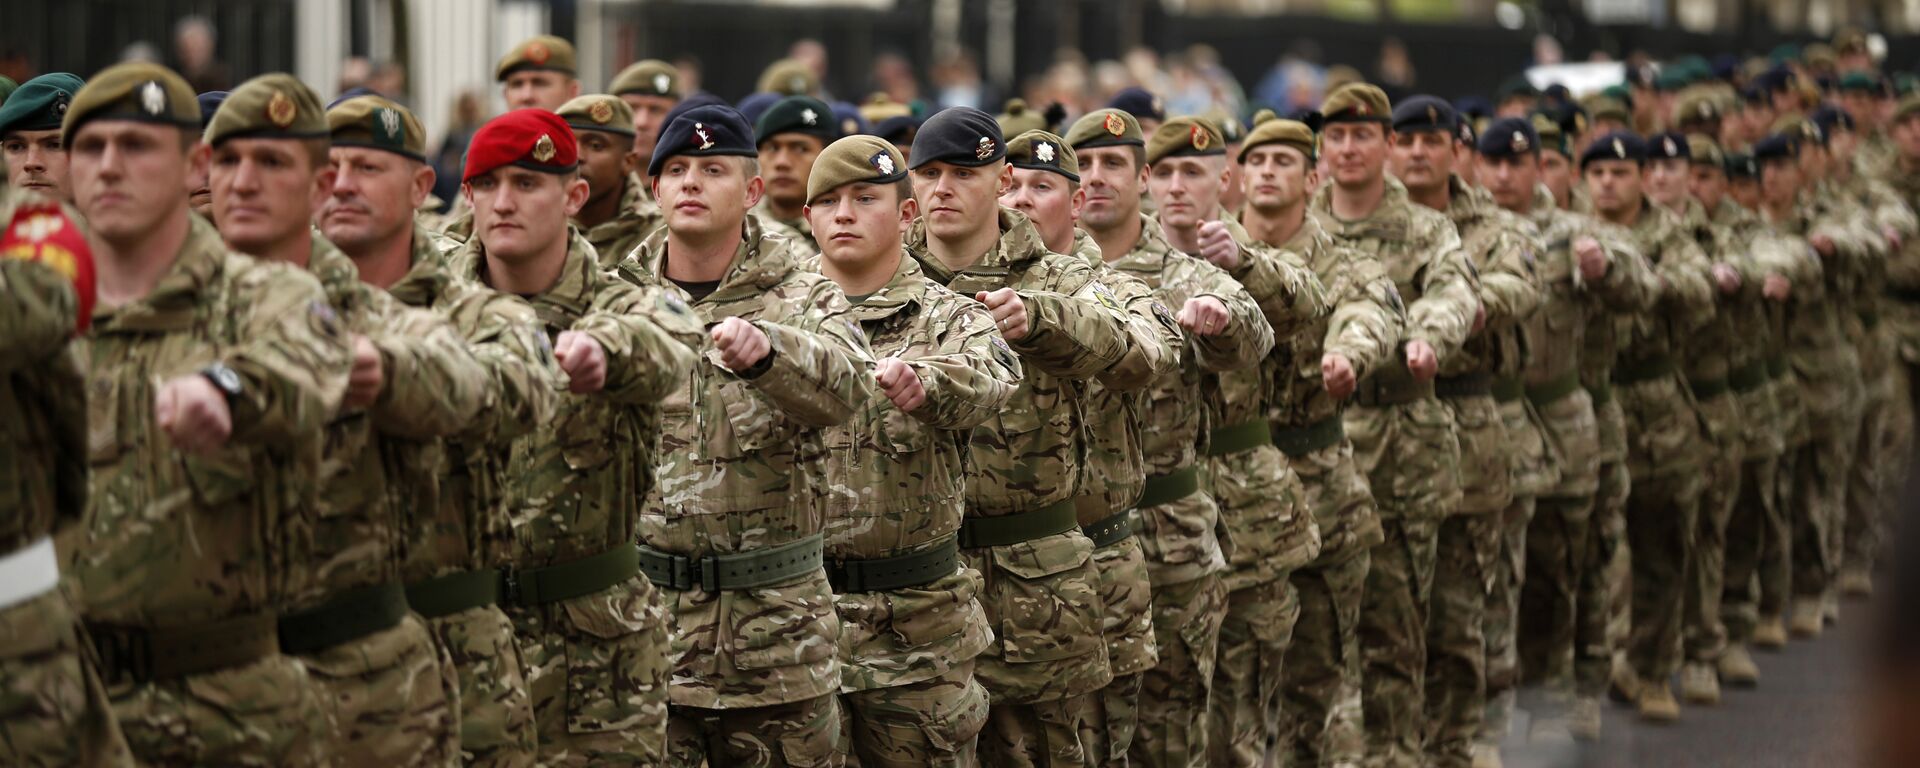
(223, 379)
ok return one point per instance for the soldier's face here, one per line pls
(1863, 107)
(1355, 153)
(1708, 184)
(1187, 189)
(1813, 161)
(1277, 177)
(1841, 144)
(265, 192)
(1605, 125)
(785, 161)
(605, 159)
(648, 112)
(1050, 200)
(1464, 165)
(1234, 193)
(1906, 137)
(1111, 179)
(1666, 181)
(520, 215)
(857, 225)
(373, 197)
(1511, 179)
(1615, 186)
(128, 177)
(36, 161)
(957, 201)
(1745, 191)
(1780, 180)
(539, 89)
(706, 195)
(1422, 159)
(1556, 171)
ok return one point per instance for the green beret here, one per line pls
(647, 77)
(376, 123)
(1703, 150)
(1185, 137)
(598, 112)
(1859, 82)
(1909, 106)
(1357, 103)
(789, 77)
(543, 52)
(1273, 130)
(7, 87)
(1552, 136)
(136, 91)
(855, 159)
(797, 114)
(40, 104)
(1038, 150)
(1105, 128)
(1017, 118)
(271, 106)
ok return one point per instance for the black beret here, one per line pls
(1830, 117)
(798, 114)
(1774, 80)
(1775, 146)
(1517, 86)
(1741, 167)
(1557, 93)
(847, 115)
(962, 136)
(1423, 113)
(1509, 137)
(1140, 103)
(1619, 145)
(897, 128)
(1473, 106)
(210, 103)
(1463, 132)
(1668, 146)
(703, 132)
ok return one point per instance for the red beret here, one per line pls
(534, 139)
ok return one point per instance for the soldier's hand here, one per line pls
(1776, 288)
(584, 362)
(1893, 237)
(1217, 245)
(1422, 361)
(1592, 258)
(1727, 278)
(900, 383)
(1336, 372)
(742, 344)
(193, 414)
(367, 377)
(1009, 312)
(1204, 315)
(1822, 244)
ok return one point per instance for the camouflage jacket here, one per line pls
(896, 480)
(742, 467)
(1824, 362)
(1503, 249)
(171, 538)
(380, 469)
(1902, 302)
(1751, 315)
(43, 392)
(799, 231)
(472, 527)
(1663, 426)
(638, 217)
(1364, 323)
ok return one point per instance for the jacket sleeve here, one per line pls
(1248, 336)
(1369, 320)
(1288, 293)
(434, 387)
(1077, 332)
(821, 368)
(294, 363)
(1443, 315)
(1154, 340)
(1509, 286)
(972, 372)
(1686, 293)
(513, 351)
(646, 334)
(37, 308)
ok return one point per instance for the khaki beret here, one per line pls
(1607, 108)
(136, 91)
(647, 77)
(1017, 118)
(1105, 128)
(1848, 41)
(1818, 55)
(1357, 103)
(855, 159)
(1292, 133)
(1703, 150)
(376, 123)
(274, 106)
(1185, 137)
(1696, 105)
(1908, 106)
(544, 52)
(1552, 136)
(1263, 116)
(879, 108)
(789, 77)
(598, 112)
(1039, 150)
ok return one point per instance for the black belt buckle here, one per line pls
(844, 576)
(126, 654)
(509, 586)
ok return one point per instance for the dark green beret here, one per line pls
(135, 91)
(1185, 137)
(855, 159)
(1106, 128)
(272, 106)
(543, 52)
(1039, 150)
(376, 123)
(798, 114)
(40, 104)
(598, 112)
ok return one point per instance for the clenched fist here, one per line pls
(1336, 372)
(1204, 315)
(742, 344)
(193, 414)
(1422, 361)
(1776, 288)
(1727, 278)
(900, 384)
(1217, 246)
(583, 360)
(1009, 312)
(1591, 257)
(367, 377)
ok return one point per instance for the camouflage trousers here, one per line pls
(1662, 515)
(268, 713)
(1506, 577)
(1041, 734)
(1595, 637)
(496, 711)
(1254, 627)
(53, 709)
(1704, 637)
(1175, 695)
(1557, 547)
(597, 671)
(1393, 641)
(1323, 664)
(1881, 457)
(392, 701)
(800, 734)
(1127, 626)
(1820, 509)
(933, 723)
(1757, 519)
(1454, 693)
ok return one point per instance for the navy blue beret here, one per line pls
(1618, 145)
(1140, 103)
(1423, 113)
(1509, 137)
(1668, 146)
(703, 132)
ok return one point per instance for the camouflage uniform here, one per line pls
(56, 711)
(1266, 528)
(1405, 439)
(798, 230)
(594, 641)
(189, 543)
(743, 475)
(639, 216)
(1470, 620)
(1041, 592)
(1322, 665)
(392, 702)
(895, 489)
(470, 534)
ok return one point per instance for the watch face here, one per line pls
(224, 378)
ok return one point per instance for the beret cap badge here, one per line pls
(1519, 142)
(662, 83)
(280, 109)
(600, 112)
(1199, 138)
(152, 98)
(984, 149)
(543, 150)
(537, 52)
(1115, 125)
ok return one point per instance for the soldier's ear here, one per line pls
(756, 187)
(423, 178)
(909, 211)
(576, 194)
